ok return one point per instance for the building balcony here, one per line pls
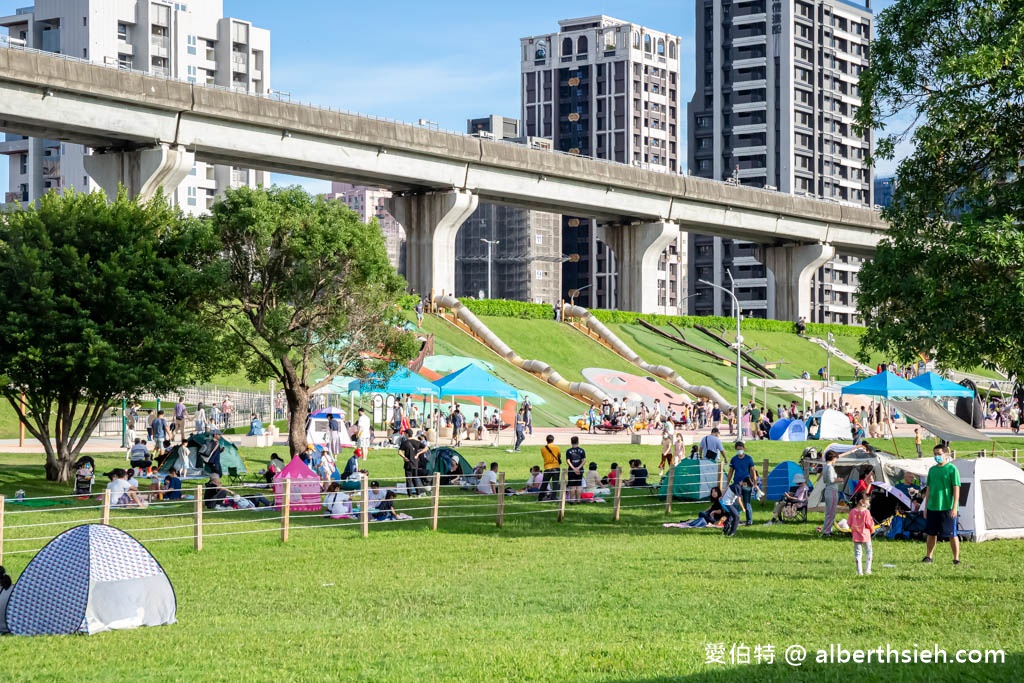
(14, 146)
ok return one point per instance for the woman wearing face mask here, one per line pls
(741, 467)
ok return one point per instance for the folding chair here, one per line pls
(233, 476)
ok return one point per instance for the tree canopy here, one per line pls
(948, 77)
(306, 291)
(98, 301)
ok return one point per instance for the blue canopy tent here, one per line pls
(886, 385)
(938, 386)
(474, 381)
(404, 381)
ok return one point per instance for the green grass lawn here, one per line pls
(589, 599)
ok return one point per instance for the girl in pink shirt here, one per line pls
(861, 527)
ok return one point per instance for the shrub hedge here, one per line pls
(504, 308)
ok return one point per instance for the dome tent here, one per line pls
(90, 579)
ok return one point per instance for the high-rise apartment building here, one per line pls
(184, 40)
(608, 89)
(371, 203)
(521, 249)
(776, 95)
(883, 191)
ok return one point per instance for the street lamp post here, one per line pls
(489, 243)
(739, 341)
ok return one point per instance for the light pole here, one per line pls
(828, 358)
(489, 243)
(739, 342)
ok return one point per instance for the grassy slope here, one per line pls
(566, 350)
(585, 600)
(449, 340)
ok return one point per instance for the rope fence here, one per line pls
(298, 505)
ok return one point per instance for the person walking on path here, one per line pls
(829, 479)
(363, 433)
(180, 414)
(941, 504)
(520, 428)
(552, 464)
(862, 526)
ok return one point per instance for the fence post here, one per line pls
(952, 454)
(437, 500)
(364, 511)
(982, 453)
(669, 490)
(199, 517)
(617, 504)
(562, 480)
(764, 482)
(721, 476)
(501, 499)
(105, 517)
(1014, 456)
(286, 519)
(2, 504)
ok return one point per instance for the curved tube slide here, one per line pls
(664, 372)
(584, 391)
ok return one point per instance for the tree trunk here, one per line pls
(297, 396)
(59, 464)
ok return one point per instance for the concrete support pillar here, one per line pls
(793, 267)
(637, 249)
(141, 171)
(431, 221)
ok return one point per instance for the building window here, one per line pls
(566, 46)
(672, 50)
(636, 40)
(191, 196)
(122, 31)
(124, 61)
(581, 45)
(647, 44)
(661, 47)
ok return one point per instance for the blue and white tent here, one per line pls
(90, 579)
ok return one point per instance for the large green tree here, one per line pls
(947, 78)
(98, 300)
(307, 291)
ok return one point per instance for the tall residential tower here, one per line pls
(776, 95)
(607, 89)
(184, 40)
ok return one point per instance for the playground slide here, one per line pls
(584, 391)
(620, 347)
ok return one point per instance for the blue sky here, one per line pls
(409, 60)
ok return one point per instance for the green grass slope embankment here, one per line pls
(451, 341)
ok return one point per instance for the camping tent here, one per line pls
(692, 480)
(230, 458)
(832, 425)
(939, 421)
(440, 460)
(788, 430)
(781, 479)
(991, 495)
(847, 467)
(90, 579)
(971, 410)
(305, 493)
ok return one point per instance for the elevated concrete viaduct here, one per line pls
(146, 132)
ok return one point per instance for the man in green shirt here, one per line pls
(941, 503)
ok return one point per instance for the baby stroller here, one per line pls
(85, 469)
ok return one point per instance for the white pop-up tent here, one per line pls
(829, 425)
(90, 579)
(991, 495)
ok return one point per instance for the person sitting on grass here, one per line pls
(121, 494)
(172, 485)
(612, 478)
(489, 481)
(534, 481)
(637, 475)
(592, 481)
(386, 508)
(139, 456)
(216, 496)
(337, 503)
(375, 495)
(715, 512)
